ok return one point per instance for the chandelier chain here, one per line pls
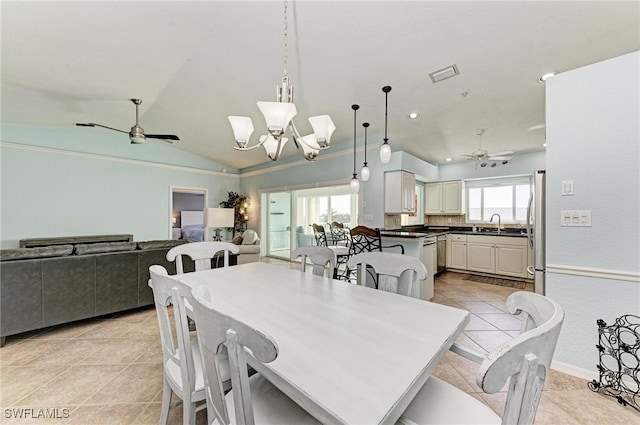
(286, 42)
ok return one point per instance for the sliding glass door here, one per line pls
(305, 207)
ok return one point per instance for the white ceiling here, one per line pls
(195, 63)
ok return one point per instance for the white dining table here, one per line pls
(348, 354)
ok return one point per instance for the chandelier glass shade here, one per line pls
(385, 148)
(279, 116)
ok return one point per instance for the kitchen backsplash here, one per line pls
(445, 220)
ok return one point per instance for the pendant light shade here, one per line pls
(242, 130)
(354, 184)
(277, 116)
(364, 172)
(323, 128)
(385, 148)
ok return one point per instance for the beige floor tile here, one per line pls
(588, 407)
(105, 414)
(25, 352)
(119, 350)
(489, 340)
(73, 386)
(478, 307)
(137, 383)
(70, 352)
(503, 321)
(476, 323)
(19, 381)
(449, 374)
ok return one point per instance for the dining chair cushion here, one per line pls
(454, 407)
(270, 405)
(173, 369)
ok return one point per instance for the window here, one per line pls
(508, 197)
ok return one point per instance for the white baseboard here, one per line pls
(578, 372)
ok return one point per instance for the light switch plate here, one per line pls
(575, 218)
(567, 187)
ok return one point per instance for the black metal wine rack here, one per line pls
(619, 367)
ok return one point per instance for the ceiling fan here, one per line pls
(136, 134)
(483, 157)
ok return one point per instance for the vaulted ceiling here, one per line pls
(195, 63)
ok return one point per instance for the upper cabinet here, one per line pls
(399, 192)
(444, 198)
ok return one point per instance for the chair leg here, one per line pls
(188, 413)
(166, 402)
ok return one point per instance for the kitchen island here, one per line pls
(419, 245)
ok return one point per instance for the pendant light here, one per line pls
(364, 172)
(385, 149)
(354, 184)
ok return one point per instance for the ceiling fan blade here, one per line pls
(162, 136)
(500, 153)
(91, 124)
(500, 158)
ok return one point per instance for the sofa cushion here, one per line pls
(249, 237)
(98, 248)
(237, 240)
(39, 252)
(161, 244)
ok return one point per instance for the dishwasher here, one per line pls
(442, 252)
(429, 259)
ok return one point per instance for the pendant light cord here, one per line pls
(365, 125)
(355, 108)
(386, 90)
(286, 42)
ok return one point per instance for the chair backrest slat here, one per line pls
(320, 257)
(201, 253)
(216, 330)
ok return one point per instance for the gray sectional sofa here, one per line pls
(59, 280)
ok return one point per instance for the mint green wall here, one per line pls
(593, 134)
(333, 168)
(57, 182)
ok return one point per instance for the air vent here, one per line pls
(444, 73)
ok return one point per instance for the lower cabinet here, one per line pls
(502, 255)
(458, 257)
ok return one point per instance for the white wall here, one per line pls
(593, 138)
(58, 183)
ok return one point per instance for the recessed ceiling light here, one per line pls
(544, 77)
(544, 145)
(448, 159)
(413, 115)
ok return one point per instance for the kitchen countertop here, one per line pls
(437, 230)
(401, 234)
(502, 233)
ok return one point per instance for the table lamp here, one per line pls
(219, 218)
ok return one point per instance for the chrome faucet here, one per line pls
(491, 220)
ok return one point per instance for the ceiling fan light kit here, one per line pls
(481, 156)
(136, 134)
(279, 116)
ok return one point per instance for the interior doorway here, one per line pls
(184, 199)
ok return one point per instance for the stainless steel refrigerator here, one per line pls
(536, 231)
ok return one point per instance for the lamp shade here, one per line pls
(219, 217)
(271, 146)
(323, 128)
(309, 146)
(354, 184)
(385, 153)
(277, 115)
(242, 129)
(364, 173)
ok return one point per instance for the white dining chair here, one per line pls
(388, 267)
(524, 361)
(182, 365)
(201, 253)
(320, 257)
(253, 399)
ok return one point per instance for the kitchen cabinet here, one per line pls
(444, 198)
(502, 255)
(457, 252)
(399, 192)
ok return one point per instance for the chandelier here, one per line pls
(279, 117)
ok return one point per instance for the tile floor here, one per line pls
(108, 370)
